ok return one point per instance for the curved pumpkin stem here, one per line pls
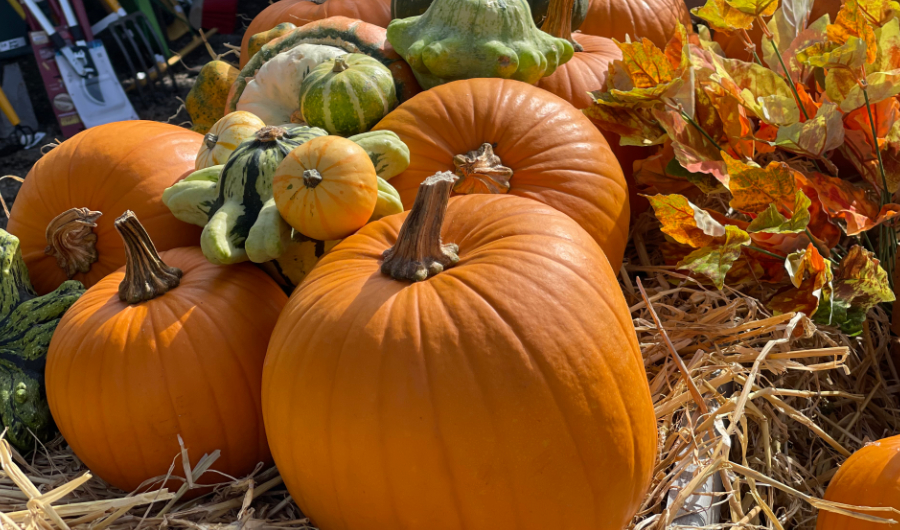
(481, 171)
(418, 253)
(146, 275)
(559, 21)
(72, 241)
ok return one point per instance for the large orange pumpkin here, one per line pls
(870, 477)
(505, 391)
(144, 359)
(300, 12)
(106, 169)
(733, 43)
(656, 20)
(505, 136)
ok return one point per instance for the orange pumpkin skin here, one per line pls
(870, 477)
(641, 19)
(733, 43)
(111, 168)
(557, 155)
(504, 392)
(123, 381)
(300, 12)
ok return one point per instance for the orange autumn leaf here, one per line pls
(855, 19)
(684, 222)
(716, 259)
(755, 8)
(857, 207)
(692, 149)
(652, 176)
(753, 188)
(860, 281)
(722, 17)
(811, 277)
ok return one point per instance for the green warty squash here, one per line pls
(347, 95)
(464, 39)
(27, 322)
(412, 8)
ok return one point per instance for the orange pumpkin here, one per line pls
(733, 43)
(505, 136)
(169, 346)
(300, 12)
(656, 20)
(105, 169)
(503, 390)
(870, 477)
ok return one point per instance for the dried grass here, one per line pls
(771, 408)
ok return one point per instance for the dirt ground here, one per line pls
(162, 108)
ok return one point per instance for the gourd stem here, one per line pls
(146, 275)
(419, 253)
(72, 241)
(210, 140)
(270, 133)
(312, 178)
(559, 21)
(340, 64)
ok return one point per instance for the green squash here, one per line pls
(298, 259)
(464, 39)
(347, 95)
(539, 8)
(244, 223)
(388, 153)
(27, 323)
(388, 202)
(205, 103)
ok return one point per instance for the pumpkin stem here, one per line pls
(312, 178)
(297, 117)
(72, 241)
(270, 133)
(559, 21)
(340, 64)
(210, 140)
(418, 253)
(481, 171)
(146, 275)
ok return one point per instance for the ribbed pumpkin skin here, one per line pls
(111, 168)
(225, 136)
(351, 101)
(123, 381)
(586, 72)
(341, 202)
(505, 392)
(300, 12)
(733, 44)
(557, 155)
(870, 477)
(651, 19)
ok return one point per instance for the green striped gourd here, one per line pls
(244, 223)
(464, 39)
(388, 153)
(347, 95)
(27, 322)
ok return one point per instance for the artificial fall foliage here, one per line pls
(800, 147)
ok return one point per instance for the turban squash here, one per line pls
(103, 170)
(169, 346)
(504, 391)
(870, 477)
(656, 20)
(505, 136)
(300, 12)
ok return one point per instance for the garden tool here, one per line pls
(23, 136)
(145, 52)
(81, 54)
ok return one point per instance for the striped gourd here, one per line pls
(225, 136)
(347, 95)
(244, 223)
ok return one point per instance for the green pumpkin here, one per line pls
(27, 323)
(347, 95)
(463, 39)
(539, 8)
(388, 153)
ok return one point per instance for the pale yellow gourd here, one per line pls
(225, 136)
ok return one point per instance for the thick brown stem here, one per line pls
(270, 133)
(419, 253)
(340, 64)
(481, 171)
(72, 241)
(559, 21)
(146, 276)
(312, 178)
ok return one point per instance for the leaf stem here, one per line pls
(766, 252)
(787, 74)
(748, 42)
(696, 125)
(885, 194)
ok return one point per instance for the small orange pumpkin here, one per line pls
(870, 477)
(656, 20)
(492, 382)
(505, 136)
(225, 136)
(105, 169)
(327, 188)
(169, 346)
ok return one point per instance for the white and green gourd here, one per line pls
(347, 95)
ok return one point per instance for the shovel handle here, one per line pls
(17, 7)
(8, 110)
